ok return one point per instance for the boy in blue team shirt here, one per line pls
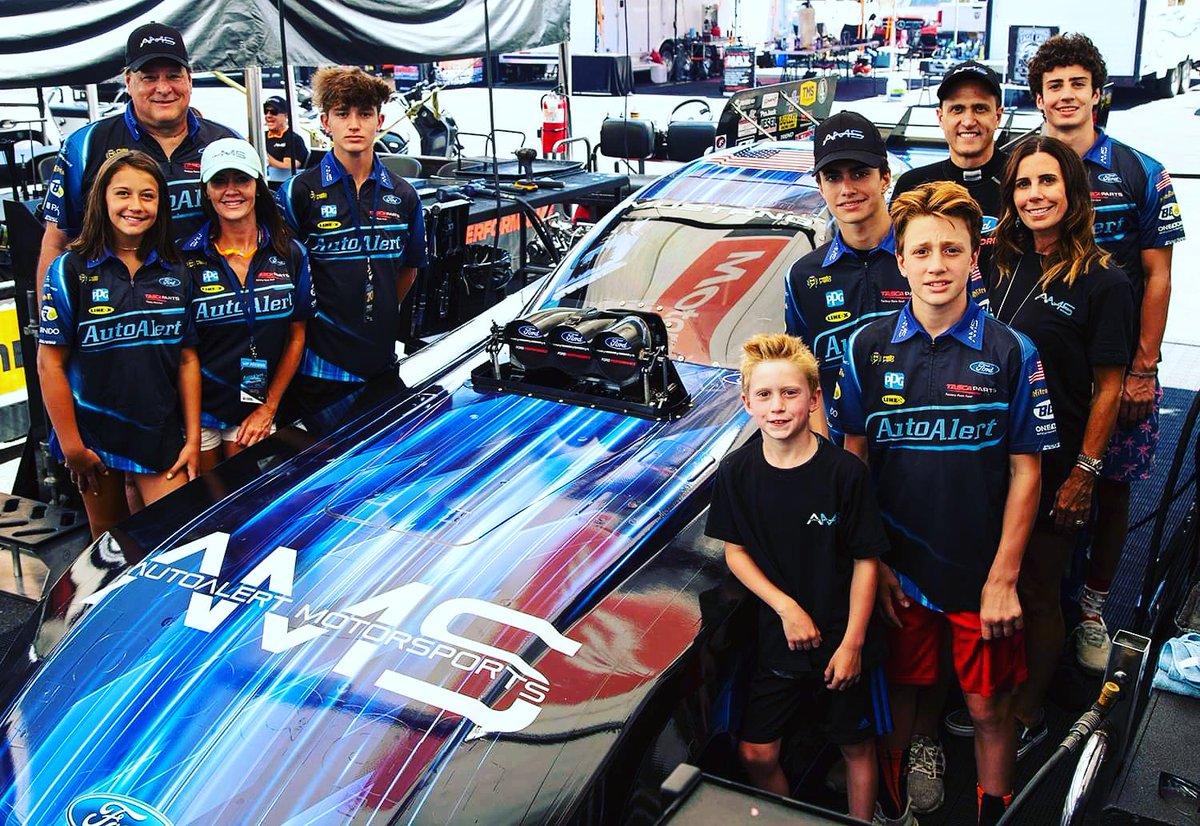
(948, 407)
(814, 575)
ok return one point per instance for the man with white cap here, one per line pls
(158, 120)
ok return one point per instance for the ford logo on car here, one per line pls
(529, 331)
(616, 343)
(985, 368)
(573, 337)
(103, 809)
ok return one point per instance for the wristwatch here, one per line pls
(1089, 464)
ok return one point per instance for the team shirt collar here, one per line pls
(838, 248)
(135, 128)
(1101, 151)
(151, 259)
(968, 329)
(201, 240)
(332, 171)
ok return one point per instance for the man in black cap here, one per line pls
(158, 121)
(969, 113)
(285, 149)
(853, 278)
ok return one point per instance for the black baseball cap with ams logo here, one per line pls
(848, 136)
(155, 41)
(970, 70)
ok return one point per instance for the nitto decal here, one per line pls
(100, 809)
(704, 293)
(374, 625)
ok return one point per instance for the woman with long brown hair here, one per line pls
(116, 359)
(252, 298)
(1051, 282)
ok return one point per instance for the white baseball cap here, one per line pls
(229, 153)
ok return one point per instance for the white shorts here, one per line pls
(211, 437)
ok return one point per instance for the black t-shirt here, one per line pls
(287, 145)
(983, 184)
(803, 527)
(1075, 328)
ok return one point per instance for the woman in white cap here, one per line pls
(251, 300)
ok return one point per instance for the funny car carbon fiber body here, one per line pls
(482, 602)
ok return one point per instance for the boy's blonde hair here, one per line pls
(778, 347)
(943, 199)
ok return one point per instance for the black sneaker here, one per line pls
(1029, 736)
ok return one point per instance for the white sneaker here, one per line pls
(1092, 646)
(905, 819)
(926, 766)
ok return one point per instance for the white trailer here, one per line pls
(1144, 42)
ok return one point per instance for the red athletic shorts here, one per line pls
(984, 667)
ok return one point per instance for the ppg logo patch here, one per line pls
(328, 210)
(100, 294)
(95, 809)
(835, 298)
(893, 381)
(209, 276)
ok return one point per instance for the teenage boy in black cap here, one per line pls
(853, 278)
(158, 120)
(285, 149)
(969, 113)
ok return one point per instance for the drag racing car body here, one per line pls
(471, 606)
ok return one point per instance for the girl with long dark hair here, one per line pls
(117, 361)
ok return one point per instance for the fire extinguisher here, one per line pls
(554, 120)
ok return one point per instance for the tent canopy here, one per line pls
(46, 43)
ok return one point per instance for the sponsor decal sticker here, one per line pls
(191, 166)
(318, 196)
(210, 277)
(835, 317)
(788, 121)
(211, 288)
(1168, 212)
(825, 520)
(616, 343)
(159, 298)
(893, 399)
(410, 622)
(329, 210)
(573, 337)
(101, 309)
(169, 281)
(102, 809)
(328, 224)
(49, 313)
(990, 222)
(1044, 410)
(893, 381)
(817, 280)
(392, 199)
(529, 331)
(882, 358)
(985, 368)
(770, 100)
(1109, 178)
(835, 298)
(808, 93)
(100, 294)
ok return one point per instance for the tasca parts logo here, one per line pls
(374, 624)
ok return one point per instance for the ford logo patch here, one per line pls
(169, 282)
(616, 343)
(989, 224)
(113, 810)
(985, 368)
(572, 337)
(529, 331)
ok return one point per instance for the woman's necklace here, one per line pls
(1004, 301)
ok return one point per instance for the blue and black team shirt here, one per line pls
(89, 147)
(126, 336)
(941, 418)
(833, 291)
(341, 229)
(1135, 206)
(227, 323)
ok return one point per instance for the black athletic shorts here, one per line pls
(778, 701)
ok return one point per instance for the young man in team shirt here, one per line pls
(1137, 220)
(969, 111)
(853, 278)
(940, 401)
(365, 235)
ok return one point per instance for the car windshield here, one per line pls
(714, 273)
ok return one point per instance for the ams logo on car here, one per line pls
(375, 624)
